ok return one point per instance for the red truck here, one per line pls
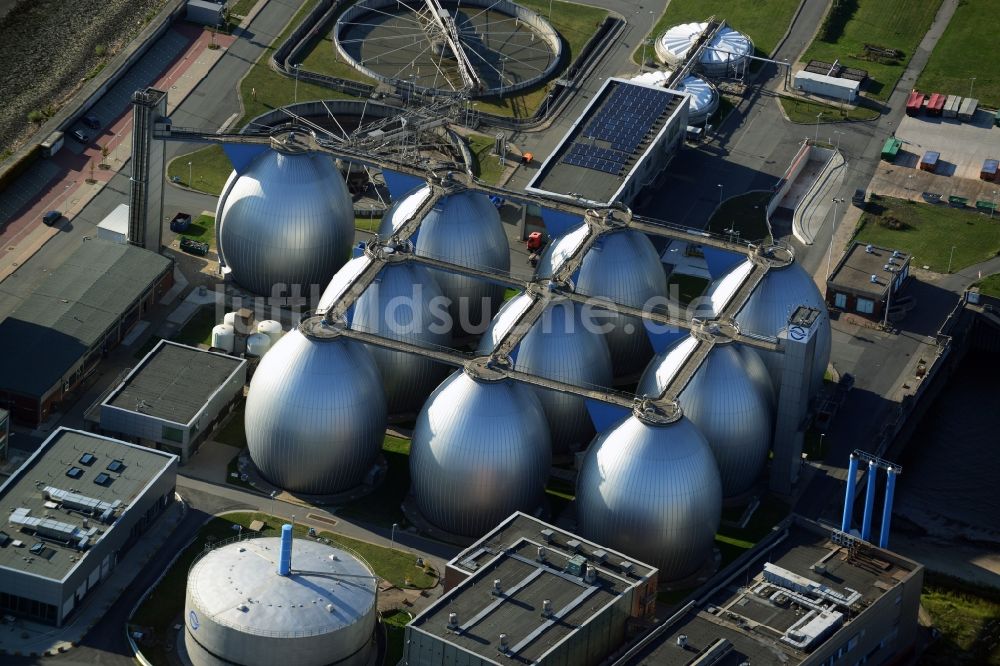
(915, 102)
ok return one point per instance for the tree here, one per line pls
(105, 151)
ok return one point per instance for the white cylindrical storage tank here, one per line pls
(651, 491)
(704, 99)
(464, 228)
(480, 451)
(239, 610)
(258, 344)
(224, 337)
(286, 219)
(622, 266)
(782, 290)
(729, 399)
(230, 318)
(315, 414)
(559, 346)
(726, 53)
(271, 329)
(399, 305)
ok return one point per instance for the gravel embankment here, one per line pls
(49, 46)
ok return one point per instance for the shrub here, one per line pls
(36, 117)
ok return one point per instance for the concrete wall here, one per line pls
(793, 171)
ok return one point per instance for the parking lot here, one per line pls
(963, 147)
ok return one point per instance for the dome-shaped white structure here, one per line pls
(727, 51)
(730, 400)
(287, 220)
(480, 451)
(622, 266)
(559, 346)
(782, 290)
(224, 337)
(704, 99)
(398, 305)
(258, 344)
(315, 414)
(271, 329)
(463, 228)
(653, 492)
(239, 610)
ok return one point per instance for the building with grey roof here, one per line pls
(862, 280)
(73, 509)
(529, 592)
(174, 398)
(812, 597)
(58, 335)
(622, 141)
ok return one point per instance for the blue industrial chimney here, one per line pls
(285, 554)
(890, 488)
(852, 484)
(866, 521)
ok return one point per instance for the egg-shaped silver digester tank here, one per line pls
(729, 399)
(315, 414)
(239, 610)
(651, 491)
(464, 228)
(622, 266)
(559, 346)
(480, 451)
(780, 292)
(287, 219)
(399, 305)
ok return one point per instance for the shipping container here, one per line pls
(914, 103)
(989, 171)
(52, 144)
(891, 149)
(935, 105)
(930, 160)
(967, 111)
(951, 106)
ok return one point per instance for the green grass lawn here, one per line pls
(689, 287)
(746, 213)
(990, 286)
(166, 602)
(241, 7)
(198, 330)
(202, 229)
(805, 111)
(394, 621)
(274, 90)
(958, 55)
(968, 619)
(369, 224)
(382, 507)
(209, 169)
(930, 233)
(765, 21)
(893, 24)
(485, 165)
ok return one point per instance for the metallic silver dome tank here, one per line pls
(623, 266)
(766, 313)
(398, 305)
(730, 400)
(480, 451)
(287, 219)
(653, 492)
(315, 414)
(559, 346)
(463, 228)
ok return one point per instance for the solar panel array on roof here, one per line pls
(623, 122)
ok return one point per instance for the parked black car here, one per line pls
(91, 121)
(80, 136)
(51, 217)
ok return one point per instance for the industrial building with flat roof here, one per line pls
(73, 509)
(620, 143)
(57, 336)
(174, 398)
(820, 597)
(860, 281)
(529, 592)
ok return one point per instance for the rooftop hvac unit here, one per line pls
(503, 646)
(452, 621)
(682, 641)
(546, 608)
(873, 279)
(869, 248)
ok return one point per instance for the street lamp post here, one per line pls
(296, 68)
(833, 228)
(950, 257)
(838, 133)
(888, 302)
(190, 182)
(972, 82)
(992, 210)
(818, 116)
(273, 493)
(720, 194)
(392, 537)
